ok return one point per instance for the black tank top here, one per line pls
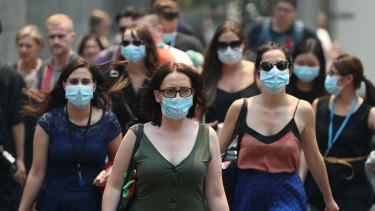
(224, 99)
(354, 141)
(355, 138)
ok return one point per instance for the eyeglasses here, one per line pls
(134, 42)
(267, 65)
(122, 29)
(333, 72)
(284, 10)
(171, 93)
(224, 45)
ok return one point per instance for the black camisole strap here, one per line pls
(295, 108)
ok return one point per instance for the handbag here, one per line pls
(127, 195)
(229, 158)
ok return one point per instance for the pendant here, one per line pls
(81, 183)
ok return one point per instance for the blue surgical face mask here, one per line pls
(274, 80)
(331, 84)
(230, 56)
(79, 95)
(169, 38)
(176, 108)
(306, 73)
(133, 53)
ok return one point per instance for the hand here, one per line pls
(101, 179)
(331, 206)
(20, 175)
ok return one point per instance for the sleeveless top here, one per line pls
(163, 186)
(61, 190)
(225, 99)
(354, 141)
(278, 153)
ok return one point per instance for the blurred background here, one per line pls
(348, 22)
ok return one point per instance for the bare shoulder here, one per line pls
(249, 66)
(304, 109)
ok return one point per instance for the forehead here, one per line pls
(81, 72)
(57, 29)
(128, 34)
(273, 56)
(307, 57)
(27, 39)
(91, 41)
(176, 80)
(125, 21)
(228, 36)
(146, 20)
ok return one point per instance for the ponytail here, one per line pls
(370, 91)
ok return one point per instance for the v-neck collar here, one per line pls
(199, 134)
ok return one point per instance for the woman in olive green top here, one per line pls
(178, 161)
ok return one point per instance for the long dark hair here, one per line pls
(347, 64)
(152, 58)
(311, 46)
(45, 101)
(212, 66)
(153, 109)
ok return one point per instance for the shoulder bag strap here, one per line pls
(136, 145)
(236, 130)
(241, 117)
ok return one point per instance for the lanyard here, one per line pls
(330, 141)
(81, 181)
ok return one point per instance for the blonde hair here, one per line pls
(59, 19)
(97, 16)
(32, 31)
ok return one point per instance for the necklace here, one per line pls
(81, 181)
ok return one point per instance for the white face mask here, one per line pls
(230, 56)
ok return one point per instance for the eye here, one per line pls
(73, 81)
(86, 81)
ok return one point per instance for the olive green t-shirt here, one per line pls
(163, 186)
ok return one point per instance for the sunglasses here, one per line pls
(134, 42)
(280, 65)
(224, 45)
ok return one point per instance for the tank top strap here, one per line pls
(295, 110)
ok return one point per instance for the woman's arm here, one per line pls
(371, 119)
(37, 173)
(112, 147)
(225, 135)
(303, 168)
(213, 183)
(116, 179)
(312, 155)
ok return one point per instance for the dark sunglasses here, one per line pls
(122, 29)
(135, 42)
(280, 65)
(224, 45)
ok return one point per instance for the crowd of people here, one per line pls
(155, 99)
